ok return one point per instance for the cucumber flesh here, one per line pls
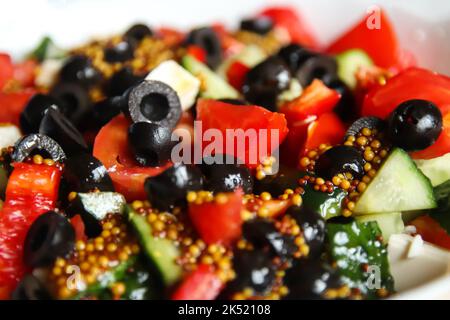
(398, 186)
(250, 55)
(437, 169)
(389, 223)
(349, 62)
(212, 85)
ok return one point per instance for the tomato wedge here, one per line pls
(111, 147)
(201, 284)
(258, 123)
(315, 100)
(380, 43)
(32, 190)
(12, 105)
(296, 26)
(218, 221)
(431, 231)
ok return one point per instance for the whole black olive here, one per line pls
(155, 102)
(30, 288)
(259, 25)
(120, 52)
(207, 39)
(346, 107)
(34, 111)
(262, 233)
(55, 125)
(150, 142)
(313, 228)
(294, 55)
(316, 67)
(340, 159)
(170, 187)
(309, 279)
(79, 69)
(85, 173)
(226, 176)
(121, 81)
(365, 122)
(254, 269)
(237, 102)
(50, 236)
(415, 125)
(137, 33)
(75, 100)
(286, 178)
(265, 81)
(37, 143)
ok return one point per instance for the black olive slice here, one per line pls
(75, 100)
(121, 52)
(365, 122)
(50, 236)
(294, 55)
(316, 67)
(34, 111)
(154, 102)
(121, 81)
(340, 159)
(137, 33)
(104, 110)
(55, 125)
(37, 143)
(207, 39)
(259, 25)
(30, 288)
(80, 70)
(237, 102)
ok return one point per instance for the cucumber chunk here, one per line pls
(437, 169)
(349, 62)
(328, 205)
(162, 253)
(398, 186)
(46, 49)
(213, 86)
(389, 223)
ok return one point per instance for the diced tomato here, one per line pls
(78, 225)
(217, 221)
(381, 44)
(201, 284)
(259, 124)
(31, 190)
(315, 100)
(171, 36)
(230, 45)
(236, 74)
(6, 69)
(25, 72)
(290, 19)
(441, 146)
(197, 52)
(413, 83)
(12, 105)
(431, 231)
(111, 147)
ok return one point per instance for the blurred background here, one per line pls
(422, 25)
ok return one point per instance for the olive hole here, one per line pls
(40, 238)
(42, 152)
(155, 106)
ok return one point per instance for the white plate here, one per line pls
(423, 27)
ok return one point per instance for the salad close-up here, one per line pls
(214, 162)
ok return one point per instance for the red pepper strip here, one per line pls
(201, 284)
(431, 231)
(32, 190)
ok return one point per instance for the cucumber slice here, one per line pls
(212, 85)
(161, 252)
(348, 63)
(398, 186)
(437, 169)
(250, 55)
(389, 223)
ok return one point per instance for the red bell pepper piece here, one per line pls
(430, 230)
(111, 147)
(381, 44)
(442, 144)
(222, 116)
(197, 52)
(6, 69)
(296, 26)
(201, 284)
(230, 45)
(236, 74)
(315, 100)
(31, 191)
(78, 225)
(170, 36)
(25, 72)
(218, 222)
(12, 105)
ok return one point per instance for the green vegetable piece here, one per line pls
(327, 205)
(436, 169)
(361, 259)
(349, 62)
(442, 213)
(389, 223)
(47, 49)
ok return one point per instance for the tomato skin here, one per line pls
(31, 190)
(441, 146)
(6, 69)
(371, 40)
(111, 147)
(201, 284)
(431, 231)
(222, 116)
(290, 19)
(218, 222)
(315, 100)
(12, 105)
(197, 52)
(236, 74)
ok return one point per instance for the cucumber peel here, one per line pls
(348, 63)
